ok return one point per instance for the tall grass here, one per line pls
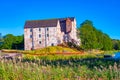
(60, 69)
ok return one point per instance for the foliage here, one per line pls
(8, 40)
(91, 38)
(116, 44)
(13, 42)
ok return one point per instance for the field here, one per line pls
(59, 67)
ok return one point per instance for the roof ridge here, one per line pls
(50, 19)
(41, 20)
(45, 22)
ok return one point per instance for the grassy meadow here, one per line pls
(83, 66)
(69, 69)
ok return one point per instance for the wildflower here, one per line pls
(115, 66)
(110, 67)
(95, 67)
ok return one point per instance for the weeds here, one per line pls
(72, 68)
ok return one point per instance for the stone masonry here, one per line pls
(43, 33)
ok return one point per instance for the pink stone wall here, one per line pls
(45, 40)
(55, 36)
(27, 39)
(51, 39)
(73, 32)
(59, 34)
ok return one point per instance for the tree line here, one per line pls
(116, 44)
(10, 41)
(92, 38)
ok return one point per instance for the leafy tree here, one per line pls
(119, 45)
(8, 41)
(91, 38)
(87, 35)
(100, 39)
(12, 42)
(116, 44)
(107, 42)
(1, 42)
(18, 43)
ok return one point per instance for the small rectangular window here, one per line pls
(30, 36)
(31, 30)
(52, 44)
(40, 42)
(47, 35)
(47, 29)
(39, 35)
(39, 29)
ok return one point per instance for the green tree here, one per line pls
(100, 39)
(8, 41)
(13, 42)
(18, 42)
(116, 44)
(107, 42)
(87, 35)
(91, 38)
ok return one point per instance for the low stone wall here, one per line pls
(11, 56)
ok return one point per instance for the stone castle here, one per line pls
(50, 32)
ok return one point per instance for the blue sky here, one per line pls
(105, 14)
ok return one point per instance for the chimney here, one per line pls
(68, 25)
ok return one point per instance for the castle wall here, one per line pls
(41, 37)
(73, 32)
(49, 36)
(27, 39)
(59, 34)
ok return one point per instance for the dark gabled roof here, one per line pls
(41, 23)
(44, 23)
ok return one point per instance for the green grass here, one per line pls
(47, 50)
(59, 67)
(54, 57)
(54, 49)
(70, 69)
